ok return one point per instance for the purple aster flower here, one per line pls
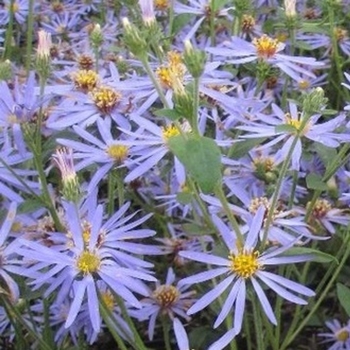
(340, 335)
(165, 300)
(20, 11)
(324, 133)
(94, 251)
(148, 145)
(239, 51)
(17, 106)
(245, 264)
(108, 153)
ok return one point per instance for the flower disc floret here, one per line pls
(166, 295)
(118, 152)
(169, 132)
(343, 335)
(245, 263)
(85, 80)
(321, 208)
(266, 47)
(105, 98)
(161, 5)
(248, 23)
(88, 262)
(108, 299)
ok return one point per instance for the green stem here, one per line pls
(166, 336)
(9, 33)
(107, 318)
(138, 341)
(258, 326)
(275, 197)
(221, 195)
(155, 81)
(195, 128)
(111, 188)
(30, 25)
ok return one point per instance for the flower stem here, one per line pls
(155, 82)
(29, 35)
(195, 106)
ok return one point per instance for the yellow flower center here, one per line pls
(166, 295)
(108, 299)
(297, 123)
(256, 202)
(248, 23)
(88, 262)
(118, 152)
(105, 98)
(169, 132)
(85, 80)
(321, 208)
(340, 33)
(161, 5)
(342, 335)
(245, 264)
(266, 47)
(303, 84)
(173, 72)
(264, 164)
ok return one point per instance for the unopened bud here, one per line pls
(314, 101)
(289, 7)
(70, 183)
(96, 37)
(194, 60)
(133, 39)
(43, 58)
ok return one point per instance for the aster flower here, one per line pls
(340, 335)
(90, 255)
(19, 8)
(244, 268)
(17, 106)
(324, 133)
(239, 51)
(108, 153)
(165, 300)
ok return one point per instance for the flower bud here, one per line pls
(134, 39)
(70, 183)
(194, 60)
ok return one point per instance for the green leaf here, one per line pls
(201, 157)
(171, 114)
(180, 21)
(314, 182)
(285, 128)
(317, 256)
(327, 154)
(241, 148)
(343, 294)
(29, 206)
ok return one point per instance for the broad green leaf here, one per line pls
(314, 182)
(316, 255)
(201, 157)
(171, 114)
(343, 294)
(241, 148)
